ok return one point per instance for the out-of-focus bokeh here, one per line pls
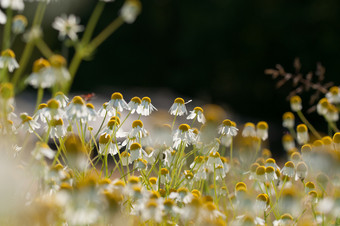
(213, 51)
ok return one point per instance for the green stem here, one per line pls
(26, 55)
(39, 98)
(43, 47)
(93, 22)
(310, 127)
(6, 42)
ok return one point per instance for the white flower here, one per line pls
(91, 113)
(228, 128)
(57, 128)
(197, 113)
(137, 152)
(53, 110)
(302, 134)
(13, 4)
(67, 26)
(249, 130)
(288, 120)
(107, 146)
(296, 103)
(40, 113)
(289, 169)
(41, 76)
(28, 123)
(130, 10)
(7, 59)
(333, 95)
(178, 107)
(137, 130)
(145, 108)
(76, 109)
(58, 69)
(43, 150)
(262, 130)
(134, 104)
(117, 102)
(61, 98)
(106, 110)
(183, 134)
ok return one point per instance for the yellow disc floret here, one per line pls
(136, 100)
(116, 96)
(302, 128)
(336, 138)
(184, 127)
(40, 64)
(137, 123)
(146, 99)
(104, 139)
(295, 100)
(57, 61)
(53, 104)
(135, 146)
(288, 115)
(262, 125)
(289, 164)
(196, 109)
(8, 53)
(179, 100)
(78, 100)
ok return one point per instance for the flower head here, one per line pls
(178, 107)
(7, 60)
(67, 26)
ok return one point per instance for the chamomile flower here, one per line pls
(6, 97)
(288, 169)
(28, 123)
(322, 106)
(213, 161)
(262, 202)
(333, 95)
(138, 129)
(295, 103)
(288, 142)
(249, 130)
(336, 141)
(114, 128)
(41, 76)
(106, 110)
(107, 146)
(136, 152)
(40, 114)
(228, 127)
(288, 120)
(332, 113)
(197, 113)
(145, 108)
(67, 26)
(301, 171)
(13, 4)
(61, 98)
(91, 113)
(262, 130)
(7, 60)
(117, 102)
(270, 174)
(134, 103)
(57, 128)
(130, 10)
(178, 107)
(183, 134)
(125, 158)
(42, 150)
(59, 70)
(19, 24)
(302, 134)
(53, 110)
(76, 110)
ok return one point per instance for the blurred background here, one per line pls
(212, 51)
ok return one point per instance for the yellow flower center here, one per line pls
(133, 179)
(40, 64)
(22, 18)
(135, 146)
(164, 171)
(153, 180)
(295, 100)
(289, 164)
(302, 128)
(239, 185)
(41, 106)
(270, 169)
(146, 99)
(53, 104)
(90, 106)
(56, 122)
(308, 148)
(57, 61)
(8, 53)
(197, 109)
(104, 139)
(184, 127)
(288, 115)
(287, 138)
(334, 90)
(116, 96)
(336, 138)
(136, 100)
(327, 140)
(249, 124)
(78, 100)
(260, 170)
(262, 197)
(262, 125)
(179, 100)
(137, 123)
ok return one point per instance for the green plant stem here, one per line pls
(39, 98)
(93, 22)
(43, 47)
(26, 55)
(6, 42)
(310, 127)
